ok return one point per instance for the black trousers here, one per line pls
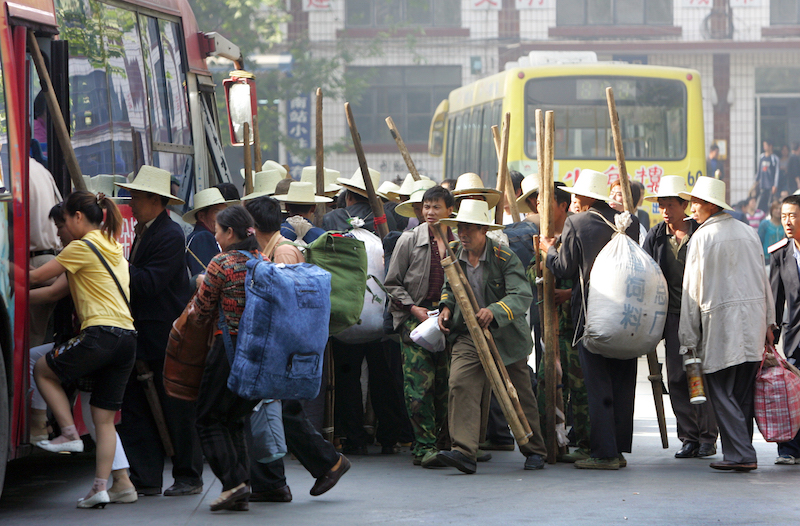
(315, 453)
(610, 386)
(221, 417)
(139, 433)
(732, 391)
(386, 395)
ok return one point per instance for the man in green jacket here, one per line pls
(503, 295)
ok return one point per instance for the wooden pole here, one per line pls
(320, 162)
(655, 376)
(256, 145)
(501, 204)
(248, 173)
(145, 375)
(330, 393)
(412, 168)
(550, 320)
(501, 148)
(540, 159)
(60, 127)
(381, 228)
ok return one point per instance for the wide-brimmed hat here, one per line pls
(406, 209)
(301, 193)
(470, 185)
(153, 180)
(408, 184)
(356, 183)
(204, 199)
(591, 183)
(708, 189)
(309, 175)
(529, 185)
(474, 212)
(264, 184)
(267, 166)
(669, 186)
(389, 191)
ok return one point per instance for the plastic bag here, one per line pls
(266, 423)
(628, 299)
(427, 334)
(777, 399)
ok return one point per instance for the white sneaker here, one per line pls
(786, 459)
(73, 446)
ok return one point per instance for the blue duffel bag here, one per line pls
(282, 332)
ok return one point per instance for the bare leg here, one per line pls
(106, 445)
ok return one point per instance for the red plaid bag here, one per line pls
(777, 398)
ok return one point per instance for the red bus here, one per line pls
(134, 89)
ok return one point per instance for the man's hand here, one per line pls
(546, 242)
(562, 295)
(770, 338)
(444, 320)
(419, 313)
(199, 280)
(485, 317)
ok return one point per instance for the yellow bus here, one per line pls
(660, 111)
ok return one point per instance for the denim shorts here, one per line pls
(103, 354)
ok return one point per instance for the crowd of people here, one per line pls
(113, 318)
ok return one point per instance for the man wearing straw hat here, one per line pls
(503, 295)
(159, 292)
(301, 203)
(610, 383)
(667, 243)
(356, 204)
(727, 314)
(201, 245)
(264, 184)
(388, 192)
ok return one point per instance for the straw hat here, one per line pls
(204, 199)
(591, 183)
(309, 175)
(264, 184)
(408, 184)
(669, 186)
(474, 212)
(301, 193)
(356, 183)
(154, 181)
(708, 189)
(272, 165)
(388, 190)
(406, 209)
(530, 185)
(471, 185)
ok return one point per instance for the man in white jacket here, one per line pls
(727, 314)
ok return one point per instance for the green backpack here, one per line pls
(346, 259)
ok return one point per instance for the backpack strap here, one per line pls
(111, 272)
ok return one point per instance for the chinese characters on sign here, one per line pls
(494, 5)
(298, 127)
(316, 5)
(710, 3)
(532, 4)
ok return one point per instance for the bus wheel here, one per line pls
(5, 424)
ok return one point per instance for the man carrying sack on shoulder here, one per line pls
(503, 295)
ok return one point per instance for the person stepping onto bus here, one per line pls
(105, 349)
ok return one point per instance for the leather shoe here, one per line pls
(457, 459)
(179, 489)
(232, 501)
(534, 462)
(329, 479)
(728, 465)
(707, 450)
(282, 494)
(148, 491)
(688, 450)
(483, 456)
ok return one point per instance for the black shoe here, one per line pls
(145, 491)
(688, 450)
(483, 456)
(355, 450)
(457, 459)
(329, 479)
(180, 489)
(282, 494)
(707, 450)
(534, 462)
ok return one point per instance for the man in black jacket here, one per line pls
(610, 383)
(667, 243)
(159, 292)
(784, 279)
(356, 205)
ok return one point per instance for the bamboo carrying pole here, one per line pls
(502, 385)
(320, 161)
(655, 376)
(60, 127)
(401, 145)
(502, 160)
(256, 145)
(248, 173)
(381, 228)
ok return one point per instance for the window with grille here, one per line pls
(390, 13)
(614, 12)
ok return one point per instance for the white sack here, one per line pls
(427, 334)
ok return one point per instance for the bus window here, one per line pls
(451, 133)
(475, 140)
(488, 164)
(652, 115)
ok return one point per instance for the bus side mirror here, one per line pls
(240, 100)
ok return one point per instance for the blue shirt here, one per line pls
(288, 232)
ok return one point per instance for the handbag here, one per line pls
(266, 425)
(777, 398)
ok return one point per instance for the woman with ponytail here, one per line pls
(105, 350)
